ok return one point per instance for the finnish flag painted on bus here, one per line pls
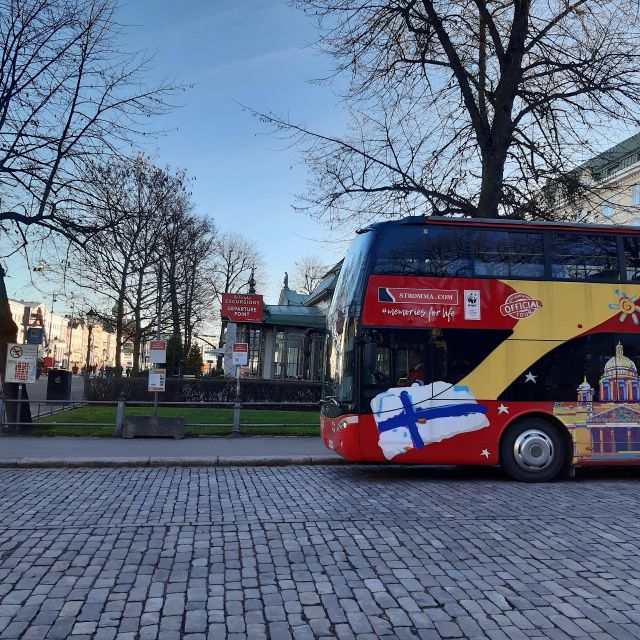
(412, 417)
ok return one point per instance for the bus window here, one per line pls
(400, 358)
(576, 256)
(632, 258)
(508, 254)
(422, 250)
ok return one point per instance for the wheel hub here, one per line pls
(533, 450)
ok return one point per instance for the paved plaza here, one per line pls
(316, 552)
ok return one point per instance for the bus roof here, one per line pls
(505, 222)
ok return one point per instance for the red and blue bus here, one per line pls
(493, 342)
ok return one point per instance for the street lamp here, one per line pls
(91, 319)
(53, 301)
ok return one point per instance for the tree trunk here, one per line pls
(119, 332)
(491, 185)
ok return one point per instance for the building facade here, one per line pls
(67, 339)
(289, 342)
(612, 182)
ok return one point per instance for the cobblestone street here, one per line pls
(317, 552)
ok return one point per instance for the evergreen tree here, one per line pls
(175, 355)
(193, 362)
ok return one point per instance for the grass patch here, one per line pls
(87, 420)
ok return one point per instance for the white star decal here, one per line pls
(485, 453)
(530, 377)
(503, 409)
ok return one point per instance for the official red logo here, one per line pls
(520, 305)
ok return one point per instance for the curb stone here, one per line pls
(214, 461)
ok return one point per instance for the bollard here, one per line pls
(120, 416)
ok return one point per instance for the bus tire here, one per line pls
(532, 450)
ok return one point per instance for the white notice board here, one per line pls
(22, 361)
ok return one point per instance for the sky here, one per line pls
(256, 53)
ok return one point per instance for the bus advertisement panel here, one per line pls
(535, 375)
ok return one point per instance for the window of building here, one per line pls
(608, 210)
(576, 256)
(635, 198)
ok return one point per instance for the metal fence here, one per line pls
(46, 408)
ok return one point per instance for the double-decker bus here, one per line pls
(456, 341)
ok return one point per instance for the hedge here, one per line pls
(193, 390)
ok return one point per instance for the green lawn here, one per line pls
(289, 423)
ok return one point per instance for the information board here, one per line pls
(157, 352)
(240, 354)
(157, 379)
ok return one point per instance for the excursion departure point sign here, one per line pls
(242, 307)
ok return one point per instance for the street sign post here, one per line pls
(22, 363)
(240, 356)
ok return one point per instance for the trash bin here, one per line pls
(59, 384)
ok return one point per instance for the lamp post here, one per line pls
(90, 319)
(53, 301)
(70, 322)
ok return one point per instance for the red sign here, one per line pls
(520, 305)
(242, 307)
(419, 301)
(240, 347)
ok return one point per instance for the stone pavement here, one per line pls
(316, 552)
(116, 452)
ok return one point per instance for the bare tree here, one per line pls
(235, 259)
(466, 106)
(67, 94)
(308, 274)
(187, 241)
(120, 265)
(236, 263)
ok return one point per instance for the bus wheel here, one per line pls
(532, 450)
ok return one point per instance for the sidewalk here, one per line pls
(16, 451)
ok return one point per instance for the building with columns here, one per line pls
(288, 343)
